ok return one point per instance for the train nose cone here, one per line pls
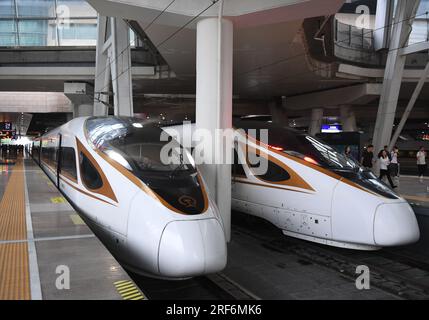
(191, 248)
(395, 224)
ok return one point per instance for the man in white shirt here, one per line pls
(421, 162)
(394, 163)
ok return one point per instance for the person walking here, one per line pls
(367, 157)
(421, 162)
(386, 148)
(384, 167)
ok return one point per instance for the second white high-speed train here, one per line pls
(157, 219)
(312, 192)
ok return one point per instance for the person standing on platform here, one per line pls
(394, 163)
(368, 157)
(421, 162)
(384, 167)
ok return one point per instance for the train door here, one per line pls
(59, 159)
(67, 168)
(39, 154)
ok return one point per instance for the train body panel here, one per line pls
(108, 169)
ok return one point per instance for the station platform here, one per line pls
(46, 250)
(414, 190)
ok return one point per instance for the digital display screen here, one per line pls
(331, 128)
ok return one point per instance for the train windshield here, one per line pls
(309, 148)
(315, 151)
(164, 166)
(138, 146)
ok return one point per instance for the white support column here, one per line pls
(279, 112)
(121, 69)
(214, 102)
(410, 106)
(348, 119)
(113, 67)
(406, 9)
(383, 18)
(316, 121)
(102, 69)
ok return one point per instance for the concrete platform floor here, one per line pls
(60, 257)
(413, 190)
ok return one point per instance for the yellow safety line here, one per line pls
(128, 290)
(14, 267)
(58, 200)
(124, 286)
(12, 207)
(77, 220)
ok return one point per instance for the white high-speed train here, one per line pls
(312, 192)
(156, 219)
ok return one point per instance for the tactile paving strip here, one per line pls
(14, 266)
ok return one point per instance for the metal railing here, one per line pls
(356, 45)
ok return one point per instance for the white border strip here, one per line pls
(35, 286)
(78, 236)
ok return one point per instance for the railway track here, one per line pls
(212, 287)
(390, 271)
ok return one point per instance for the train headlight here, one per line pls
(137, 125)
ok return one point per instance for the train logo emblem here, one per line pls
(188, 202)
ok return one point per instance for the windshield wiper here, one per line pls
(179, 167)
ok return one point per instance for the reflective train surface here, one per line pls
(312, 192)
(156, 219)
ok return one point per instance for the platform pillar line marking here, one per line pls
(14, 269)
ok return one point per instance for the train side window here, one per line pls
(274, 173)
(68, 162)
(237, 167)
(90, 176)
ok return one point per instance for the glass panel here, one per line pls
(74, 8)
(7, 33)
(36, 8)
(357, 37)
(419, 32)
(7, 8)
(79, 32)
(138, 147)
(89, 174)
(37, 33)
(423, 8)
(343, 34)
(68, 162)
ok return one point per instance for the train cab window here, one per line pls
(152, 156)
(68, 162)
(237, 168)
(90, 176)
(274, 173)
